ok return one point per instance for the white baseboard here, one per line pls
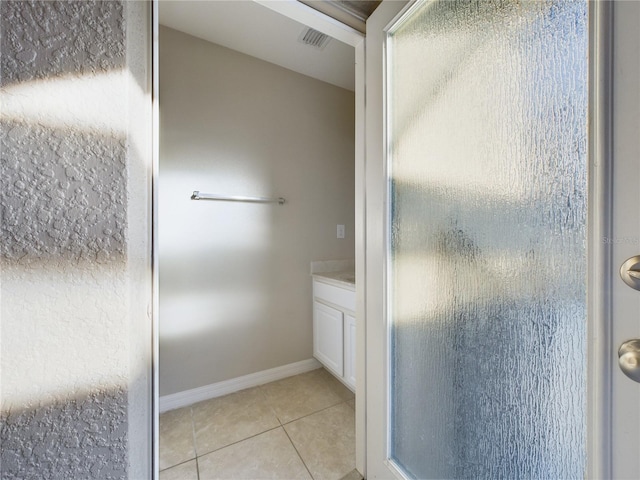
(189, 397)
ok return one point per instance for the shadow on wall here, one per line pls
(65, 291)
(85, 435)
(63, 182)
(63, 196)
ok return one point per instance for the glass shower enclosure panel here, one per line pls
(487, 160)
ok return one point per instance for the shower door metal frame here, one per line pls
(599, 260)
(599, 335)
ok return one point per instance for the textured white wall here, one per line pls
(235, 291)
(75, 335)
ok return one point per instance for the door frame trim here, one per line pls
(376, 199)
(155, 289)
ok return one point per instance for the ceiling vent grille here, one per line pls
(314, 38)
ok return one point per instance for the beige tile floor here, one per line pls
(301, 427)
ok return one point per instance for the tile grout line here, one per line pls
(281, 425)
(317, 411)
(269, 403)
(240, 441)
(269, 429)
(195, 443)
(178, 464)
(296, 449)
(303, 416)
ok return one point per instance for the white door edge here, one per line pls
(360, 258)
(624, 241)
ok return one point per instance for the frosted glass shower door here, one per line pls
(487, 146)
(486, 141)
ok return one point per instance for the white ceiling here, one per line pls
(255, 30)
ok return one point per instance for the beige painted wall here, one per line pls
(235, 291)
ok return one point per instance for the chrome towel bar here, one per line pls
(209, 196)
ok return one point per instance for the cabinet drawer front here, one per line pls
(339, 296)
(328, 337)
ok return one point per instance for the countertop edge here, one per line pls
(325, 278)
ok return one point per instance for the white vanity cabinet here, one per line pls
(334, 327)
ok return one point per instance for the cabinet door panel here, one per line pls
(350, 350)
(328, 337)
